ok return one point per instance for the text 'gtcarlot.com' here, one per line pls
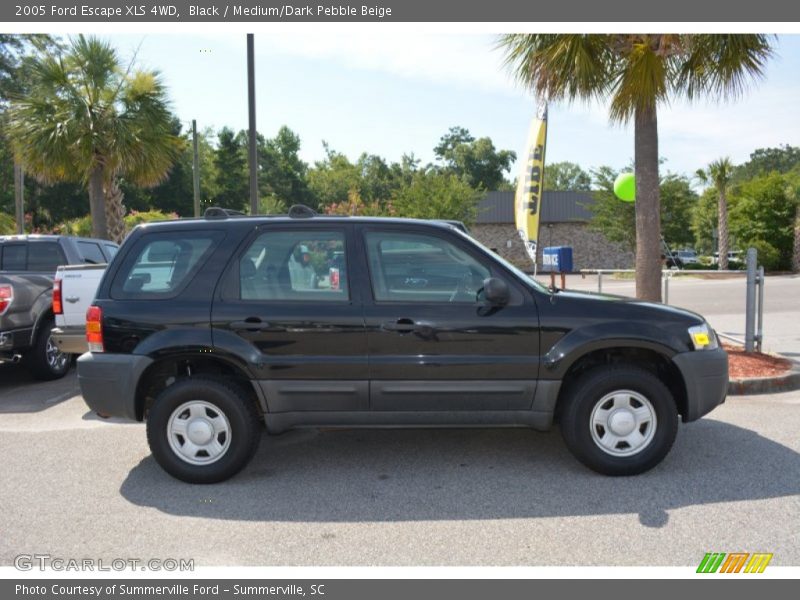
(29, 562)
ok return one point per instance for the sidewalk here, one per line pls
(722, 302)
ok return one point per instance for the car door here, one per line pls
(434, 343)
(287, 306)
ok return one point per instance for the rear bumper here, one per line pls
(15, 340)
(705, 373)
(108, 382)
(71, 340)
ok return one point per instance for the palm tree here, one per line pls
(86, 118)
(720, 173)
(637, 72)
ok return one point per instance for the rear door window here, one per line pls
(161, 264)
(307, 265)
(14, 257)
(45, 257)
(91, 253)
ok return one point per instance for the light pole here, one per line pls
(251, 100)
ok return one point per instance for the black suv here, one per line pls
(207, 327)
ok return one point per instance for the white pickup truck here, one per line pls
(74, 289)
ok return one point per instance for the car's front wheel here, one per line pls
(619, 420)
(203, 430)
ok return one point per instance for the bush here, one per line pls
(768, 255)
(134, 218)
(81, 227)
(7, 225)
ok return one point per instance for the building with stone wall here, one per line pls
(564, 221)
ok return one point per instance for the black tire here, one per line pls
(222, 397)
(585, 440)
(44, 361)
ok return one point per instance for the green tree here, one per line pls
(332, 179)
(720, 174)
(435, 195)
(793, 192)
(231, 172)
(476, 161)
(704, 221)
(763, 213)
(566, 176)
(282, 175)
(678, 201)
(85, 117)
(616, 219)
(638, 72)
(14, 50)
(765, 160)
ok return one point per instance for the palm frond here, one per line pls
(722, 65)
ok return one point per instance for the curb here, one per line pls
(748, 386)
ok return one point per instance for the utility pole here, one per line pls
(251, 100)
(195, 170)
(19, 196)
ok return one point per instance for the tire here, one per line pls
(44, 360)
(222, 420)
(635, 420)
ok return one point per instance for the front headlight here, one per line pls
(703, 337)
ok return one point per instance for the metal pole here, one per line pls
(666, 287)
(19, 197)
(750, 304)
(195, 170)
(760, 326)
(600, 282)
(251, 101)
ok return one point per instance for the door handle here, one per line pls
(250, 325)
(400, 326)
(72, 299)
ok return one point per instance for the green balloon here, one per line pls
(625, 187)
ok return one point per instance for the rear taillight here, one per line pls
(6, 297)
(94, 328)
(58, 308)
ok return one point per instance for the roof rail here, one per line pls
(216, 212)
(301, 211)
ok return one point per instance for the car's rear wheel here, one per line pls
(619, 420)
(45, 361)
(203, 430)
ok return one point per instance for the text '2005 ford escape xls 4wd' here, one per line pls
(207, 327)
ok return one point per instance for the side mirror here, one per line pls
(496, 291)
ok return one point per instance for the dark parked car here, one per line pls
(27, 267)
(206, 328)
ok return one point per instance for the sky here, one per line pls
(390, 93)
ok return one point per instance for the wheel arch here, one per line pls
(648, 357)
(168, 367)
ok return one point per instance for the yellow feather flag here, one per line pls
(528, 199)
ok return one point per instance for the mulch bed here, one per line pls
(755, 364)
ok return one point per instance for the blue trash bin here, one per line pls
(557, 259)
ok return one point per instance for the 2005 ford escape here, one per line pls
(206, 328)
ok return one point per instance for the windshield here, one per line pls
(521, 275)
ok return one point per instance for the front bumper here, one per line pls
(705, 374)
(71, 340)
(108, 382)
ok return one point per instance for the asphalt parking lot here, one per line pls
(76, 486)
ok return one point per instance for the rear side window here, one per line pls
(45, 256)
(161, 264)
(91, 253)
(14, 257)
